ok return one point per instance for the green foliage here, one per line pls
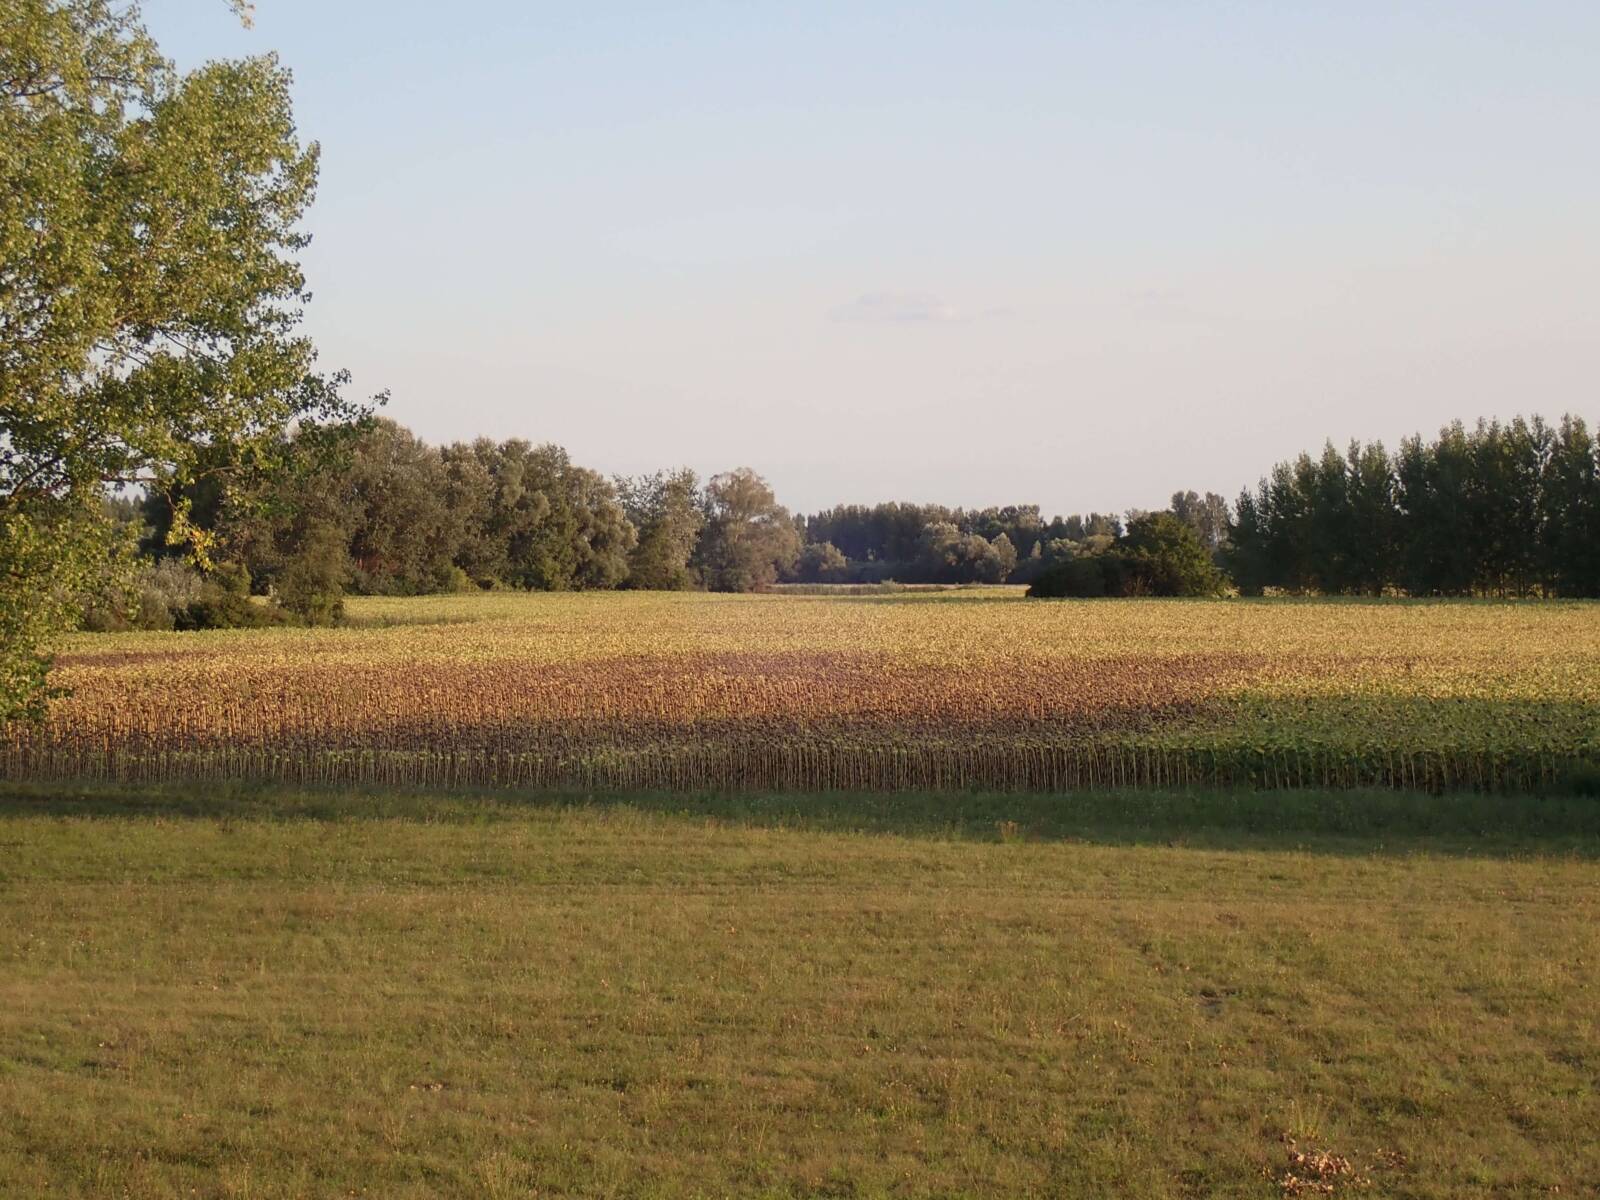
(749, 538)
(946, 555)
(1087, 577)
(1160, 555)
(390, 502)
(665, 508)
(821, 562)
(1207, 515)
(530, 518)
(1569, 508)
(881, 541)
(450, 579)
(1498, 510)
(147, 600)
(415, 518)
(1582, 781)
(149, 299)
(1164, 556)
(52, 552)
(311, 585)
(173, 595)
(224, 602)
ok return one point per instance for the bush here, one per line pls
(821, 562)
(158, 597)
(311, 584)
(172, 595)
(449, 579)
(1158, 556)
(222, 602)
(1083, 578)
(1167, 558)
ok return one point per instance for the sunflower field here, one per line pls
(977, 688)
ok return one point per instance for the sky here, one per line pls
(1078, 254)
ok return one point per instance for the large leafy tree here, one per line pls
(665, 508)
(946, 555)
(1207, 515)
(1167, 558)
(532, 519)
(749, 539)
(384, 492)
(149, 292)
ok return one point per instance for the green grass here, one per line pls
(266, 993)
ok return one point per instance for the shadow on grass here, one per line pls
(1336, 822)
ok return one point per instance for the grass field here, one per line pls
(926, 690)
(209, 992)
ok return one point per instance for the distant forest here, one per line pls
(1492, 510)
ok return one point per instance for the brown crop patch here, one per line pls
(516, 706)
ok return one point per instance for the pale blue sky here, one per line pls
(1079, 254)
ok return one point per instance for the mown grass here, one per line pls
(268, 993)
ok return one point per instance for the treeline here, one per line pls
(389, 514)
(1496, 510)
(386, 513)
(929, 543)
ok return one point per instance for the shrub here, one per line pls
(821, 562)
(157, 597)
(450, 579)
(1158, 556)
(1167, 558)
(223, 602)
(311, 584)
(1083, 577)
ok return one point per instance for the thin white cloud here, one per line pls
(1167, 305)
(897, 308)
